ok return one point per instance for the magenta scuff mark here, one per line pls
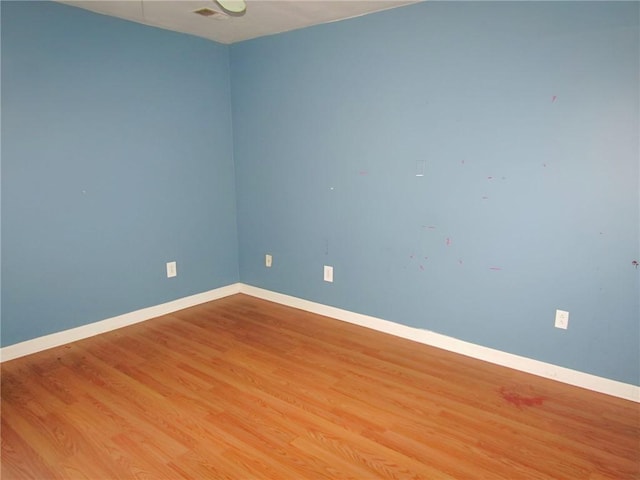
(448, 241)
(554, 98)
(495, 268)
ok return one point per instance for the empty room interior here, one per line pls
(395, 240)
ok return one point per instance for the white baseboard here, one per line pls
(67, 336)
(535, 367)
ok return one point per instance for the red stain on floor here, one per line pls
(520, 400)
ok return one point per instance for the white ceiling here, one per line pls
(263, 17)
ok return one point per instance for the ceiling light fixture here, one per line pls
(233, 7)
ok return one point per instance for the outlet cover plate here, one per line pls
(172, 270)
(328, 273)
(562, 319)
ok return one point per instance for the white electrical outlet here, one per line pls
(328, 273)
(562, 319)
(268, 260)
(172, 269)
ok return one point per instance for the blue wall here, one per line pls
(525, 115)
(117, 157)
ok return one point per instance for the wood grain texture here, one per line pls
(241, 388)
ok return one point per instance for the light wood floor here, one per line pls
(241, 388)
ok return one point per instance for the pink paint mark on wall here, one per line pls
(495, 268)
(554, 98)
(363, 172)
(520, 400)
(448, 242)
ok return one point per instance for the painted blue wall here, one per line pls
(525, 115)
(117, 157)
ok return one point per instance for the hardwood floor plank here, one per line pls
(20, 459)
(241, 388)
